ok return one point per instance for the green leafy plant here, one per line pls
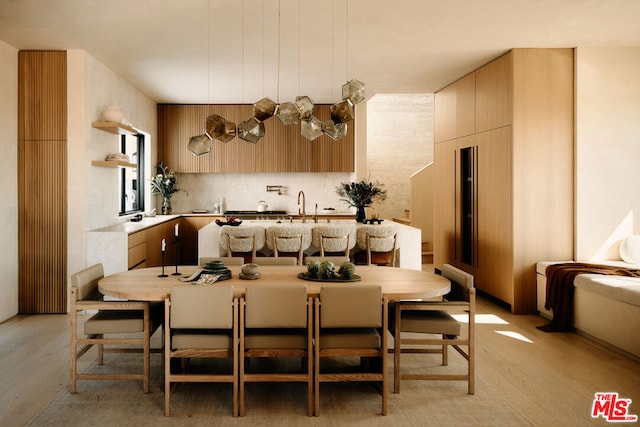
(362, 193)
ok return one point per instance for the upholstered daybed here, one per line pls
(605, 307)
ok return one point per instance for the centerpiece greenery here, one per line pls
(164, 183)
(361, 194)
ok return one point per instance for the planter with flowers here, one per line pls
(360, 195)
(164, 183)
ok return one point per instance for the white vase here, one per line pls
(113, 114)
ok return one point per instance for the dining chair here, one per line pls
(242, 241)
(436, 320)
(276, 261)
(333, 240)
(115, 324)
(351, 321)
(378, 245)
(276, 322)
(200, 322)
(227, 260)
(288, 240)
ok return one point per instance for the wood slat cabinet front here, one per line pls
(523, 135)
(282, 149)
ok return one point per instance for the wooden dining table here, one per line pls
(397, 283)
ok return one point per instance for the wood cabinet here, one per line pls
(189, 235)
(455, 109)
(137, 250)
(521, 167)
(145, 246)
(282, 149)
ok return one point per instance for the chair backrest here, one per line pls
(381, 244)
(288, 243)
(227, 260)
(334, 238)
(382, 238)
(350, 306)
(275, 306)
(86, 282)
(289, 231)
(202, 307)
(337, 260)
(245, 237)
(461, 282)
(275, 260)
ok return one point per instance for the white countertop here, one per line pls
(132, 227)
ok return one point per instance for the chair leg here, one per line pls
(445, 355)
(397, 349)
(73, 355)
(146, 350)
(100, 351)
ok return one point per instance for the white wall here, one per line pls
(607, 196)
(93, 191)
(8, 177)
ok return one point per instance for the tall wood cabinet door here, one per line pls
(494, 94)
(495, 248)
(444, 126)
(466, 106)
(444, 207)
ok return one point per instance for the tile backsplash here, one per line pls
(244, 191)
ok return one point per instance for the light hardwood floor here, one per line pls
(546, 378)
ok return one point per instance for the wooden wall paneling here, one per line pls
(466, 105)
(42, 226)
(495, 240)
(246, 156)
(444, 209)
(282, 149)
(445, 113)
(494, 94)
(42, 112)
(42, 182)
(543, 163)
(220, 151)
(328, 155)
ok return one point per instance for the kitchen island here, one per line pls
(409, 239)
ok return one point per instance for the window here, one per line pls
(131, 181)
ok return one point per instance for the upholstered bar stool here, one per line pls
(242, 241)
(378, 245)
(334, 240)
(289, 240)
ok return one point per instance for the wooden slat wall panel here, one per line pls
(42, 112)
(283, 149)
(42, 182)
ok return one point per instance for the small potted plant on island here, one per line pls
(360, 195)
(164, 184)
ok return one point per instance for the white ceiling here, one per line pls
(249, 49)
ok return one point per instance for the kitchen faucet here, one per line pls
(304, 212)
